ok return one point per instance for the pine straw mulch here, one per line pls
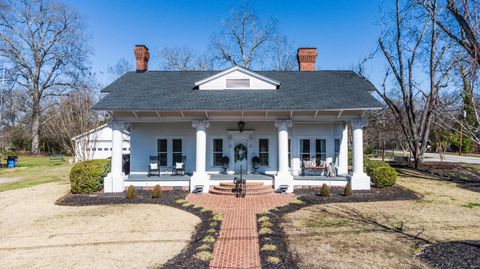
(453, 255)
(176, 199)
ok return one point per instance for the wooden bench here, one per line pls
(56, 157)
(320, 169)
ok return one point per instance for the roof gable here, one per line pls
(237, 77)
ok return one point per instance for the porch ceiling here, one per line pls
(303, 115)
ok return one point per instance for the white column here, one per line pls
(113, 182)
(200, 177)
(283, 176)
(359, 180)
(343, 154)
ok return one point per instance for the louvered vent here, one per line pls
(238, 83)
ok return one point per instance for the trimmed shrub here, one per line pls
(263, 218)
(204, 256)
(208, 239)
(372, 165)
(384, 176)
(217, 217)
(269, 247)
(157, 191)
(87, 176)
(273, 259)
(266, 224)
(348, 189)
(131, 192)
(204, 247)
(265, 231)
(325, 191)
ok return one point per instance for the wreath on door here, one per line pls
(240, 152)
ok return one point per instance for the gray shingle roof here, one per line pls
(174, 90)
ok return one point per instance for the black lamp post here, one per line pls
(241, 126)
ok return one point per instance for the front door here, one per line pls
(240, 153)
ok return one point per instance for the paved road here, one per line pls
(452, 158)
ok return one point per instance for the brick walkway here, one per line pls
(237, 245)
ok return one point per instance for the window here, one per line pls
(105, 149)
(305, 149)
(320, 150)
(99, 149)
(88, 149)
(337, 151)
(124, 149)
(162, 152)
(263, 151)
(238, 83)
(217, 152)
(177, 150)
(289, 152)
(94, 149)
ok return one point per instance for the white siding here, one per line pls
(87, 145)
(220, 82)
(144, 142)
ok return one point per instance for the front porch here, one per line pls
(281, 148)
(182, 182)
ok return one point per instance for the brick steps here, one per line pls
(253, 189)
(249, 184)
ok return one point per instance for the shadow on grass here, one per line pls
(463, 176)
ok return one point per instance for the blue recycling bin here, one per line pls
(11, 163)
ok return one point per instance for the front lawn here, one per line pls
(33, 170)
(384, 234)
(37, 233)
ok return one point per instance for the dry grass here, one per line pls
(36, 233)
(384, 234)
(34, 170)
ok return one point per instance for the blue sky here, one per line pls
(342, 31)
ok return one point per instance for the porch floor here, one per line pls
(141, 177)
(312, 177)
(246, 177)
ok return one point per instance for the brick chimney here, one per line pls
(141, 55)
(307, 57)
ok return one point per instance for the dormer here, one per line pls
(237, 78)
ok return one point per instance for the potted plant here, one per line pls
(255, 164)
(225, 162)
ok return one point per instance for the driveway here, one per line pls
(435, 157)
(36, 233)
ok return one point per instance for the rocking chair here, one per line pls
(153, 167)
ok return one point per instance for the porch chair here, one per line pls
(179, 167)
(330, 169)
(153, 167)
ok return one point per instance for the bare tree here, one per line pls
(70, 118)
(44, 43)
(121, 67)
(411, 36)
(461, 22)
(282, 54)
(183, 59)
(243, 37)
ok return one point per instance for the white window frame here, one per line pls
(269, 140)
(169, 139)
(212, 152)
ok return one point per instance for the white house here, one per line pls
(97, 143)
(286, 118)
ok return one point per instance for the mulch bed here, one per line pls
(453, 255)
(307, 197)
(183, 260)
